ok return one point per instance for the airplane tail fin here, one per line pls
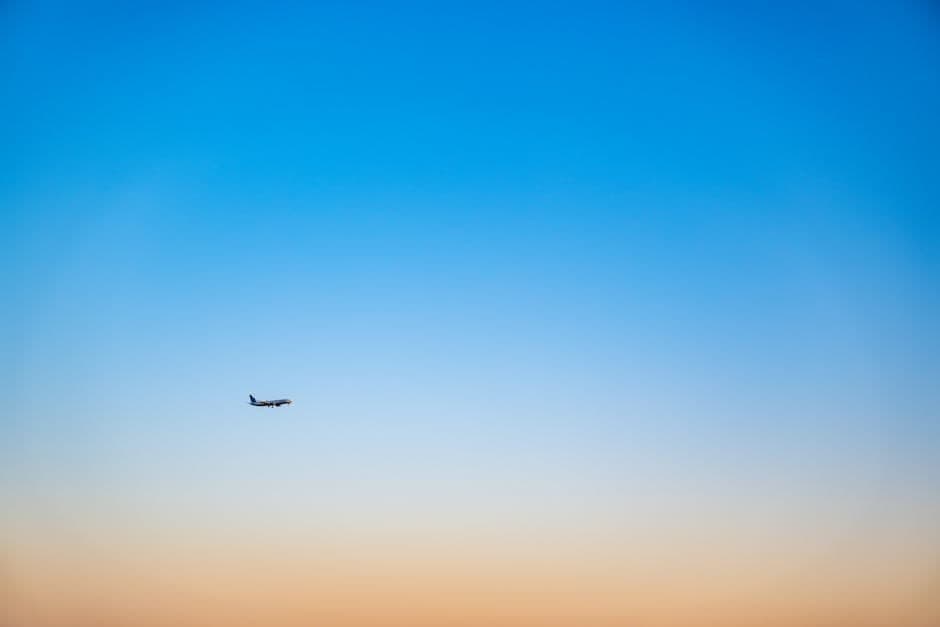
(252, 398)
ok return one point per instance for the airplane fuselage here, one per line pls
(275, 403)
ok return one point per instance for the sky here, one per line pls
(592, 313)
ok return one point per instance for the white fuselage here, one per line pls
(275, 403)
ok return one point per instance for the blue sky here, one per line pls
(497, 253)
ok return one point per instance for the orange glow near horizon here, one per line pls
(422, 584)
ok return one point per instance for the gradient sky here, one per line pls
(563, 292)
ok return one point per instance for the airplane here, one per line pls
(277, 403)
